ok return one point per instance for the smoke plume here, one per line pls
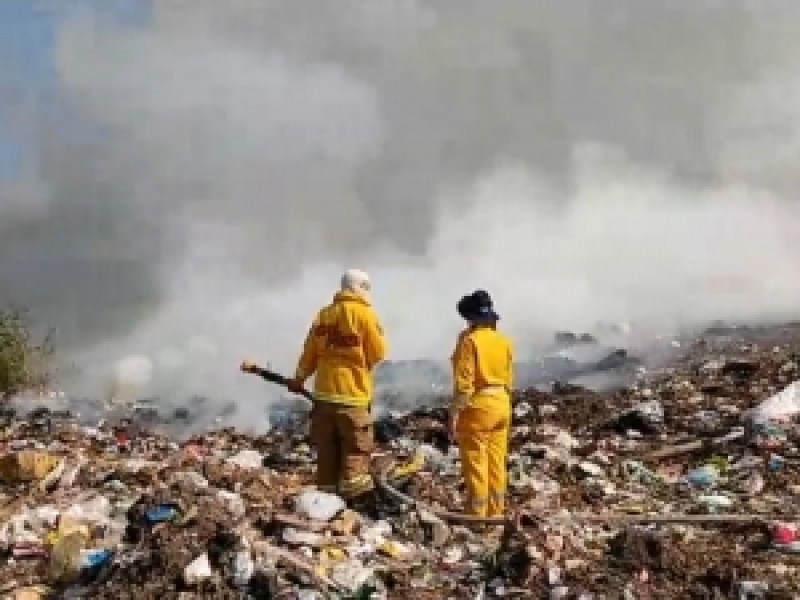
(215, 169)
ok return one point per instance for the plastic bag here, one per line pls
(197, 570)
(319, 506)
(783, 405)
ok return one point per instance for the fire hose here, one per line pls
(273, 377)
(599, 518)
(382, 482)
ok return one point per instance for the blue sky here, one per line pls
(28, 32)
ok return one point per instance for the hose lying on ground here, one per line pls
(381, 479)
(383, 484)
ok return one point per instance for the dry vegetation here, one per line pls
(24, 358)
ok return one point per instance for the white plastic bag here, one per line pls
(319, 506)
(197, 570)
(244, 568)
(96, 509)
(247, 459)
(783, 405)
(234, 503)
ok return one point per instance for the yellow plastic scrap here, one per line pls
(328, 557)
(321, 571)
(188, 516)
(332, 554)
(26, 465)
(36, 592)
(66, 527)
(721, 463)
(65, 556)
(393, 549)
(53, 476)
(411, 467)
(346, 523)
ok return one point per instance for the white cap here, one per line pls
(356, 281)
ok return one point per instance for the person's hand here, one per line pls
(295, 386)
(248, 366)
(452, 425)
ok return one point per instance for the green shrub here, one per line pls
(24, 361)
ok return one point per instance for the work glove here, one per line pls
(452, 425)
(457, 403)
(248, 366)
(295, 386)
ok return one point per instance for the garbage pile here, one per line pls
(580, 359)
(570, 358)
(684, 485)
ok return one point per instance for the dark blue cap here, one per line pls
(477, 308)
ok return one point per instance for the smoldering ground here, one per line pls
(212, 171)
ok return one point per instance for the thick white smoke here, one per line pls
(630, 162)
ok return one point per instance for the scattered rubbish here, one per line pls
(319, 506)
(703, 477)
(160, 514)
(26, 465)
(783, 405)
(658, 489)
(198, 570)
(716, 501)
(247, 459)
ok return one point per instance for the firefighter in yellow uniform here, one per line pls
(343, 346)
(480, 412)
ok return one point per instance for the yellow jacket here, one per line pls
(342, 347)
(483, 359)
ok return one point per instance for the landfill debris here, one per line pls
(319, 506)
(783, 405)
(26, 465)
(684, 484)
(198, 570)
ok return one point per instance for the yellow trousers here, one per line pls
(482, 432)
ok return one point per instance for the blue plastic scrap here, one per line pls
(161, 513)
